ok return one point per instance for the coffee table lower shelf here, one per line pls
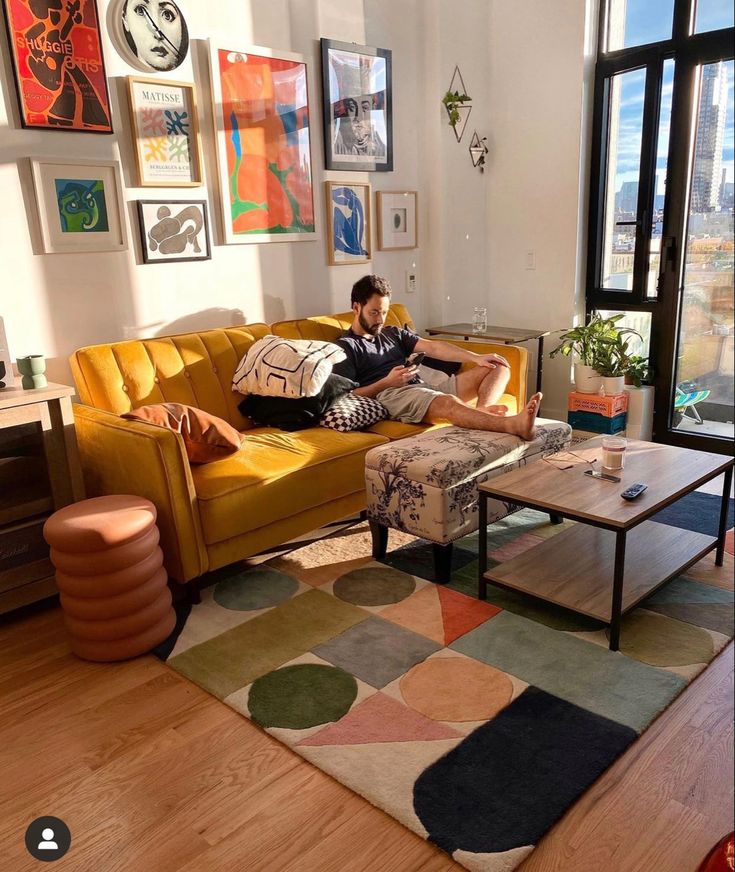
(575, 568)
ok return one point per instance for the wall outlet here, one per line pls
(531, 259)
(411, 282)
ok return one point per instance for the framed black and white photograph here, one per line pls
(348, 222)
(397, 222)
(165, 132)
(150, 35)
(358, 114)
(174, 230)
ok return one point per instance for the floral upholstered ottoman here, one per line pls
(427, 485)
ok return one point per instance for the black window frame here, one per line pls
(688, 51)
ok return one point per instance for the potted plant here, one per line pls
(637, 371)
(585, 342)
(452, 100)
(611, 360)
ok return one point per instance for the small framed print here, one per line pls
(80, 205)
(174, 230)
(165, 133)
(348, 222)
(397, 227)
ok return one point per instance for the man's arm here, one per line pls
(398, 377)
(446, 351)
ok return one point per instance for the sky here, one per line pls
(649, 21)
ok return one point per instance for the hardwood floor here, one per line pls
(152, 774)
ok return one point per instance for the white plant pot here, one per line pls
(586, 379)
(613, 385)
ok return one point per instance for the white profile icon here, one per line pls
(48, 844)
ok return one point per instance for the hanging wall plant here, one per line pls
(454, 102)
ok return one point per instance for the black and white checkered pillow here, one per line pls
(353, 412)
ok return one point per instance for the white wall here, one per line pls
(523, 65)
(536, 172)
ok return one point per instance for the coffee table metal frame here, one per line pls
(490, 490)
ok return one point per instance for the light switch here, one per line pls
(411, 282)
(531, 259)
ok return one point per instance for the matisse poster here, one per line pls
(58, 65)
(262, 119)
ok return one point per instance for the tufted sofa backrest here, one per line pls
(191, 368)
(328, 327)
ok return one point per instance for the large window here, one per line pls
(661, 204)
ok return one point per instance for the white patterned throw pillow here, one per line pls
(353, 412)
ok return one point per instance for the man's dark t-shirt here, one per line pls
(371, 358)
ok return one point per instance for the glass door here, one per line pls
(703, 394)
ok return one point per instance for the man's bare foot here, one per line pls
(495, 410)
(525, 420)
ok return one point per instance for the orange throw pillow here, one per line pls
(206, 436)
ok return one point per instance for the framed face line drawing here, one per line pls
(358, 107)
(165, 133)
(174, 230)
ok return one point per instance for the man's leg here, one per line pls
(452, 409)
(484, 384)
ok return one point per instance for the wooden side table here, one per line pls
(506, 335)
(26, 574)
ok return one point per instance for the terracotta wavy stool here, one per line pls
(110, 574)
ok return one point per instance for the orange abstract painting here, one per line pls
(263, 132)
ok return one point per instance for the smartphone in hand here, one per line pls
(415, 359)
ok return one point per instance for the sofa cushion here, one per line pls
(276, 475)
(353, 412)
(206, 437)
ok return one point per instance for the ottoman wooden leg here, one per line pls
(442, 563)
(555, 519)
(379, 532)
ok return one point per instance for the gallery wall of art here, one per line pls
(471, 226)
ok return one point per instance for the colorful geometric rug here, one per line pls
(475, 724)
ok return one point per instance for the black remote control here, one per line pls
(635, 490)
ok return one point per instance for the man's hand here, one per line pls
(491, 360)
(398, 377)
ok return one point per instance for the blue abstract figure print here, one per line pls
(349, 222)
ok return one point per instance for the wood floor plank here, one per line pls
(153, 773)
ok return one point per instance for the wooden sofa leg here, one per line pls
(379, 532)
(195, 596)
(442, 563)
(556, 519)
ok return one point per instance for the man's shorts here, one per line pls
(410, 403)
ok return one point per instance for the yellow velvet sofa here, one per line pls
(279, 485)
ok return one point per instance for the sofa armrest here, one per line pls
(516, 356)
(121, 456)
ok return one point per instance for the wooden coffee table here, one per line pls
(614, 557)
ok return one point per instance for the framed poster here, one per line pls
(358, 113)
(58, 65)
(80, 206)
(150, 35)
(397, 226)
(173, 230)
(165, 133)
(348, 222)
(262, 123)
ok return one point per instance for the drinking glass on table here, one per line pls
(479, 319)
